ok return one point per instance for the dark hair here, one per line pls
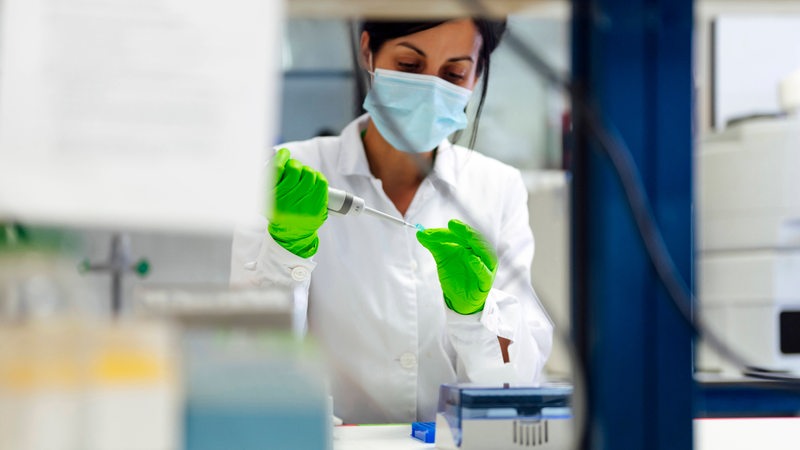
(491, 32)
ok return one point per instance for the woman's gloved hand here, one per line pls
(466, 264)
(301, 205)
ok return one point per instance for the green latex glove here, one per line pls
(301, 205)
(466, 264)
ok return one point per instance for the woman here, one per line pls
(399, 312)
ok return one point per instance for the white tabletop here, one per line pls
(747, 434)
(371, 437)
(710, 434)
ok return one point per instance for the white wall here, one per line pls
(548, 204)
(521, 119)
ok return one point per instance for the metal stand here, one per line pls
(119, 263)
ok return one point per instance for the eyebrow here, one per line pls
(421, 53)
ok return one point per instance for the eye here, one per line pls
(408, 66)
(454, 73)
(455, 76)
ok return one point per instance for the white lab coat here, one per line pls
(372, 296)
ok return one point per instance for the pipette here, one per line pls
(345, 203)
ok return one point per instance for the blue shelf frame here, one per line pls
(632, 60)
(746, 398)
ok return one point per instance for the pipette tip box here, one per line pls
(474, 417)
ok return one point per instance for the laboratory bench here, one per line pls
(774, 433)
(370, 437)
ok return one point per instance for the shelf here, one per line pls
(404, 8)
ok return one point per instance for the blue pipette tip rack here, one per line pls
(419, 227)
(424, 431)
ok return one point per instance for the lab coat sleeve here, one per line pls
(512, 309)
(258, 261)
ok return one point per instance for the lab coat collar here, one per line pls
(444, 168)
(353, 157)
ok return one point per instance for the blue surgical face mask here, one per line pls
(415, 112)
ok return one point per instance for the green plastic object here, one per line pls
(12, 235)
(466, 264)
(84, 266)
(142, 267)
(16, 237)
(300, 207)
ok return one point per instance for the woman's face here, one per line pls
(448, 51)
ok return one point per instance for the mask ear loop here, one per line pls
(371, 69)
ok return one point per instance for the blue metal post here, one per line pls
(632, 61)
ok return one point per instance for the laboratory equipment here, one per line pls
(118, 264)
(69, 380)
(474, 417)
(424, 431)
(749, 246)
(345, 203)
(248, 382)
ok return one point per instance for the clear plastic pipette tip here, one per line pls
(385, 216)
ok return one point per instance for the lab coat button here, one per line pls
(299, 273)
(414, 265)
(250, 265)
(408, 360)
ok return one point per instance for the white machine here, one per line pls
(749, 238)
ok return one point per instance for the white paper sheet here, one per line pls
(137, 113)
